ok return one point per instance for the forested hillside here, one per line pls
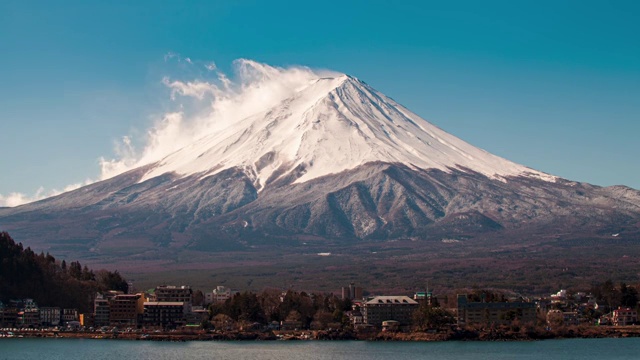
(25, 274)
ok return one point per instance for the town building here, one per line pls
(164, 314)
(219, 295)
(499, 313)
(355, 316)
(390, 325)
(29, 314)
(101, 311)
(126, 310)
(197, 315)
(170, 293)
(383, 308)
(50, 316)
(623, 316)
(29, 318)
(86, 319)
(559, 317)
(69, 315)
(8, 316)
(351, 292)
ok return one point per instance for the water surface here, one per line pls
(71, 349)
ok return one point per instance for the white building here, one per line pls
(219, 295)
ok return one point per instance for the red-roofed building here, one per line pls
(624, 316)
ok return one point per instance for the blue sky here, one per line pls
(554, 85)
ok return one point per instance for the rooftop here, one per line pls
(399, 300)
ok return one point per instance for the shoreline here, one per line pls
(492, 334)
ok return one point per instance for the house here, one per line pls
(390, 325)
(290, 325)
(383, 308)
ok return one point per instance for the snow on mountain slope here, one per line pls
(332, 125)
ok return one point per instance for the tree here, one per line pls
(23, 274)
(198, 298)
(607, 294)
(223, 322)
(108, 280)
(628, 296)
(270, 302)
(428, 317)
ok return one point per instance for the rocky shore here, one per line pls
(490, 334)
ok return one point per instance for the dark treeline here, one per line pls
(274, 305)
(25, 274)
(613, 296)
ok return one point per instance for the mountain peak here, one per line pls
(332, 125)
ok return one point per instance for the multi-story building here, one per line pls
(50, 316)
(383, 308)
(164, 314)
(623, 316)
(126, 310)
(8, 316)
(29, 317)
(69, 315)
(499, 313)
(219, 295)
(352, 292)
(101, 311)
(170, 293)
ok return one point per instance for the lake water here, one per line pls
(70, 349)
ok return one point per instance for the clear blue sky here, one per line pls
(554, 85)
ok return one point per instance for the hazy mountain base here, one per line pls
(404, 267)
(386, 226)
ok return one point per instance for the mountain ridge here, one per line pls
(338, 165)
(332, 125)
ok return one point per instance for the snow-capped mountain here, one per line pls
(330, 126)
(337, 161)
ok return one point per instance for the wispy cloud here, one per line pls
(201, 103)
(207, 103)
(16, 198)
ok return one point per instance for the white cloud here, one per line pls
(16, 199)
(211, 66)
(200, 105)
(207, 104)
(170, 55)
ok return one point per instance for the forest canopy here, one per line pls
(50, 282)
